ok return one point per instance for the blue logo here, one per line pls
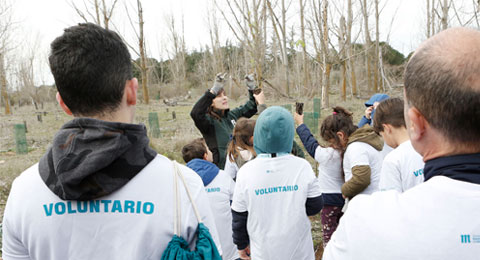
(465, 239)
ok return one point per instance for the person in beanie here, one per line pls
(100, 191)
(274, 195)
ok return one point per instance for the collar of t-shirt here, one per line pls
(465, 167)
(271, 155)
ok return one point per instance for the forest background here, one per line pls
(334, 52)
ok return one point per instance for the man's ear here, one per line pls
(418, 124)
(131, 88)
(387, 128)
(205, 156)
(63, 105)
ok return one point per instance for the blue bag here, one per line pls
(177, 248)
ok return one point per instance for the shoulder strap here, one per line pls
(176, 201)
(179, 173)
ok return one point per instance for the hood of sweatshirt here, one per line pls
(367, 135)
(91, 158)
(205, 169)
(274, 131)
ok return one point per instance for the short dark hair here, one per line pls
(389, 111)
(194, 150)
(441, 81)
(90, 65)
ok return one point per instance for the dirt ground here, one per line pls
(175, 133)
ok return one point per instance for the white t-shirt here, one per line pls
(274, 192)
(231, 168)
(134, 222)
(360, 153)
(402, 168)
(438, 219)
(330, 174)
(220, 193)
(386, 150)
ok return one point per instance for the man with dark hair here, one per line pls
(438, 219)
(100, 191)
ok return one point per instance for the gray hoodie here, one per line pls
(90, 158)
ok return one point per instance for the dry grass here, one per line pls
(174, 135)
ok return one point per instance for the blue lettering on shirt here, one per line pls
(93, 206)
(277, 189)
(418, 172)
(216, 189)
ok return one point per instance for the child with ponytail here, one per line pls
(330, 174)
(240, 149)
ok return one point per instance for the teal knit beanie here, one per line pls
(274, 131)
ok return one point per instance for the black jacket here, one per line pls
(217, 132)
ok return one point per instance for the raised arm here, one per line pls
(199, 112)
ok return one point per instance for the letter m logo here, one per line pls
(465, 238)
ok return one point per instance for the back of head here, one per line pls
(274, 131)
(339, 121)
(194, 150)
(91, 66)
(389, 111)
(242, 133)
(442, 80)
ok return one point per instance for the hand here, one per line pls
(250, 81)
(219, 83)
(298, 118)
(245, 253)
(260, 98)
(368, 112)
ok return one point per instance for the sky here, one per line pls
(40, 22)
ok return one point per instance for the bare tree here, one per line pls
(5, 27)
(95, 10)
(368, 44)
(326, 64)
(444, 19)
(178, 53)
(376, 68)
(349, 49)
(3, 84)
(305, 59)
(143, 53)
(281, 37)
(248, 23)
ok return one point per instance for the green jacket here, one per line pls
(217, 132)
(361, 174)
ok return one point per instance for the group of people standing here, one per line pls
(100, 191)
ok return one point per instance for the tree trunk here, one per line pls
(326, 63)
(143, 60)
(306, 72)
(3, 85)
(377, 49)
(368, 45)
(342, 58)
(445, 15)
(351, 60)
(429, 21)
